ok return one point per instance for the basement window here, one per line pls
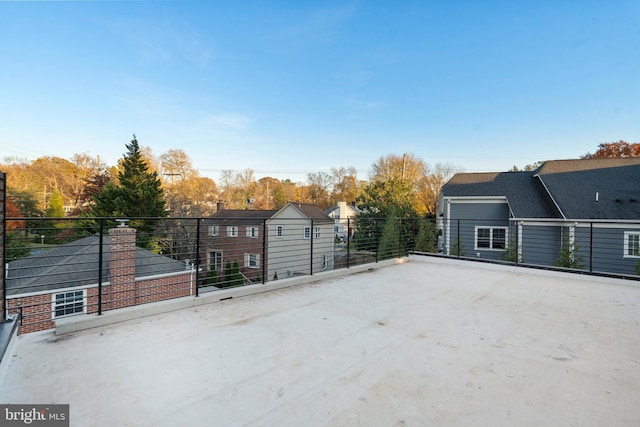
(68, 303)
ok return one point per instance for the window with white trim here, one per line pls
(632, 244)
(232, 231)
(252, 232)
(68, 303)
(213, 230)
(279, 230)
(307, 232)
(317, 232)
(252, 260)
(325, 261)
(215, 260)
(491, 238)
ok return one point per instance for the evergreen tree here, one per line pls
(390, 239)
(55, 208)
(427, 238)
(138, 193)
(236, 277)
(227, 275)
(567, 257)
(16, 246)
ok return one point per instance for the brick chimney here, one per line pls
(122, 267)
(219, 206)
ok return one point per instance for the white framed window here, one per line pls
(213, 230)
(307, 232)
(252, 232)
(325, 261)
(215, 260)
(632, 244)
(317, 232)
(252, 260)
(491, 238)
(68, 303)
(232, 231)
(279, 231)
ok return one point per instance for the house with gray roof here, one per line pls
(587, 209)
(78, 277)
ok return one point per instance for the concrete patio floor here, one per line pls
(427, 342)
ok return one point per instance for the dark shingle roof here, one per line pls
(525, 197)
(574, 184)
(76, 264)
(240, 216)
(561, 189)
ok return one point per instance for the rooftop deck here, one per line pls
(428, 342)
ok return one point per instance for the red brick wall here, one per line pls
(37, 310)
(122, 269)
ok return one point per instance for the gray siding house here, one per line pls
(587, 210)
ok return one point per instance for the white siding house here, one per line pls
(300, 241)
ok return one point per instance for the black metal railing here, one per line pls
(59, 267)
(609, 248)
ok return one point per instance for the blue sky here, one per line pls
(290, 87)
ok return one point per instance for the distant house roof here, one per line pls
(333, 209)
(310, 211)
(257, 216)
(76, 264)
(560, 189)
(241, 216)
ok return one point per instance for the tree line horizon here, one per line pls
(142, 184)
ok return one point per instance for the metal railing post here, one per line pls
(197, 257)
(264, 251)
(458, 239)
(311, 257)
(517, 245)
(591, 247)
(348, 242)
(100, 267)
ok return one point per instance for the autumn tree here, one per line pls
(319, 188)
(270, 194)
(16, 244)
(176, 166)
(615, 149)
(186, 192)
(430, 185)
(346, 186)
(393, 186)
(390, 195)
(94, 184)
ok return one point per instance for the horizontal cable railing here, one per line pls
(62, 267)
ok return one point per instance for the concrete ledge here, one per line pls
(79, 323)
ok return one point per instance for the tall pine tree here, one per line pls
(137, 194)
